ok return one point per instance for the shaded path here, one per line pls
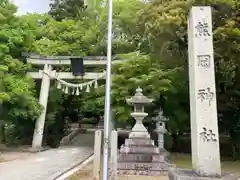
(49, 164)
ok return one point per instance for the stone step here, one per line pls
(140, 138)
(139, 149)
(140, 134)
(153, 166)
(139, 157)
(142, 173)
(139, 141)
(140, 145)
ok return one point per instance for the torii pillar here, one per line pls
(43, 100)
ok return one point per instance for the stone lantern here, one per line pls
(139, 155)
(139, 101)
(160, 128)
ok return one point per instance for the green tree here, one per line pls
(66, 9)
(152, 36)
(17, 90)
(164, 25)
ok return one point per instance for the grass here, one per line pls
(1, 158)
(184, 161)
(181, 160)
(83, 174)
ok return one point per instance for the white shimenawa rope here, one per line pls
(76, 88)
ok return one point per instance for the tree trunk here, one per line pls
(2, 134)
(235, 143)
(175, 147)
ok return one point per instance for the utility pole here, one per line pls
(107, 112)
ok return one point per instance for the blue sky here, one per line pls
(32, 6)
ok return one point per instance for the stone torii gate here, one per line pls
(48, 74)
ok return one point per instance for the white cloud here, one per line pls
(32, 6)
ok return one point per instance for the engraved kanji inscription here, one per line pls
(144, 167)
(204, 61)
(206, 95)
(208, 135)
(202, 29)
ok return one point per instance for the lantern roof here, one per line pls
(139, 98)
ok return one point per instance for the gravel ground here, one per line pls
(49, 164)
(86, 174)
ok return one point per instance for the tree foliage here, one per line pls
(17, 95)
(151, 36)
(17, 90)
(66, 9)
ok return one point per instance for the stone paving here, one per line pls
(48, 165)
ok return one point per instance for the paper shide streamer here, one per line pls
(72, 88)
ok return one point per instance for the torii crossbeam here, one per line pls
(48, 73)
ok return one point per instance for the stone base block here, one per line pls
(139, 142)
(185, 174)
(164, 152)
(139, 134)
(139, 149)
(148, 166)
(141, 173)
(141, 157)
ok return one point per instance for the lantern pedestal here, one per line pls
(139, 129)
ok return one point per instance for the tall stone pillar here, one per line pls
(97, 154)
(43, 100)
(113, 155)
(204, 124)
